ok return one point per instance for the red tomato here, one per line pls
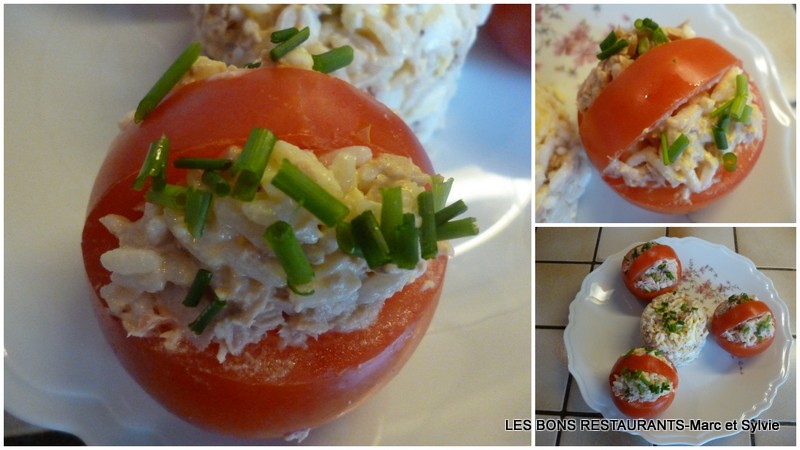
(633, 268)
(510, 27)
(720, 323)
(645, 93)
(265, 391)
(650, 364)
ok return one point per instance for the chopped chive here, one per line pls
(457, 229)
(644, 45)
(281, 35)
(724, 121)
(742, 88)
(250, 165)
(449, 212)
(740, 100)
(729, 161)
(659, 37)
(427, 231)
(202, 163)
(725, 106)
(198, 203)
(441, 190)
(737, 107)
(172, 197)
(284, 243)
(664, 153)
(406, 250)
(252, 65)
(649, 24)
(608, 41)
(167, 81)
(677, 147)
(638, 24)
(391, 213)
(154, 166)
(720, 138)
(310, 195)
(201, 322)
(201, 281)
(746, 113)
(613, 50)
(333, 59)
(289, 44)
(368, 237)
(346, 241)
(216, 182)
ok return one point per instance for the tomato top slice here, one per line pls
(651, 88)
(638, 265)
(736, 315)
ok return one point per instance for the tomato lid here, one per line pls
(650, 89)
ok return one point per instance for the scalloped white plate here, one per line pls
(566, 44)
(75, 71)
(604, 324)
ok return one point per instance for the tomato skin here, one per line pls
(733, 317)
(645, 363)
(264, 392)
(648, 91)
(510, 26)
(632, 269)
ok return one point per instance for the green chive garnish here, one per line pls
(252, 65)
(677, 147)
(201, 281)
(282, 35)
(720, 138)
(441, 190)
(154, 166)
(391, 213)
(289, 44)
(740, 100)
(427, 231)
(284, 243)
(745, 118)
(250, 165)
(664, 149)
(217, 183)
(613, 50)
(310, 195)
(729, 161)
(346, 241)
(333, 59)
(202, 163)
(457, 229)
(205, 317)
(725, 106)
(198, 203)
(368, 237)
(449, 212)
(406, 250)
(608, 41)
(167, 81)
(172, 197)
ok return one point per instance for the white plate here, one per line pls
(72, 71)
(604, 324)
(566, 44)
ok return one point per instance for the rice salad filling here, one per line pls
(697, 125)
(409, 57)
(751, 331)
(640, 386)
(673, 324)
(660, 275)
(158, 257)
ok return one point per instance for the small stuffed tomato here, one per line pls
(241, 275)
(643, 383)
(651, 269)
(743, 325)
(671, 121)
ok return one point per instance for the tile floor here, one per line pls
(564, 256)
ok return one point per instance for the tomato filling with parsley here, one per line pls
(743, 325)
(643, 383)
(671, 123)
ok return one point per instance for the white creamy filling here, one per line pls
(663, 273)
(697, 167)
(752, 331)
(158, 258)
(645, 387)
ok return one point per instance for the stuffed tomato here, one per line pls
(671, 121)
(743, 325)
(651, 269)
(265, 248)
(643, 383)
